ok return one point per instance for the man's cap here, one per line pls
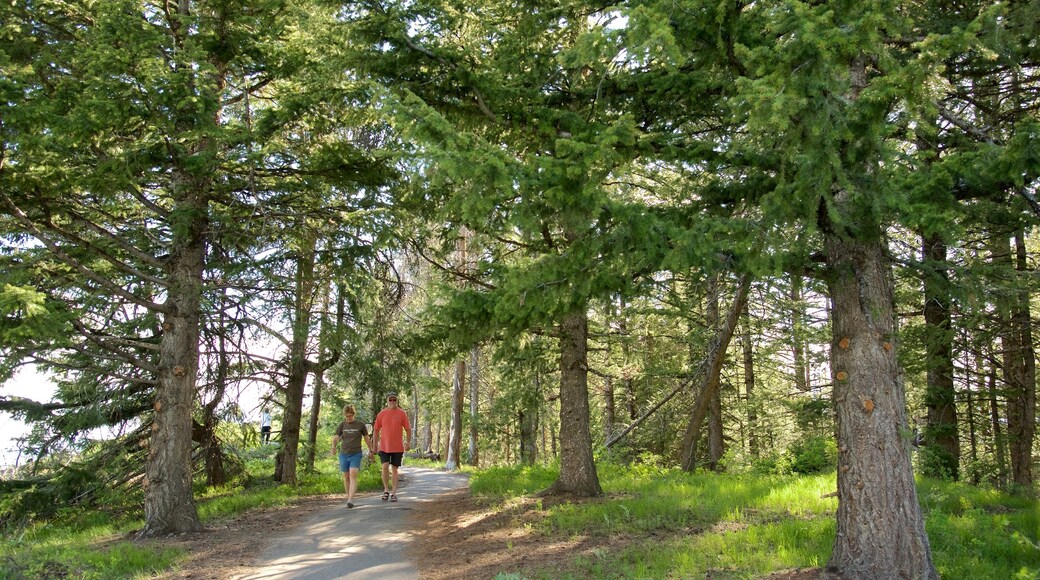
(391, 396)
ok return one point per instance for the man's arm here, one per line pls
(335, 443)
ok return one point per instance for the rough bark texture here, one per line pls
(941, 433)
(455, 430)
(880, 530)
(577, 468)
(169, 507)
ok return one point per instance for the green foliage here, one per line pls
(815, 454)
(512, 481)
(749, 526)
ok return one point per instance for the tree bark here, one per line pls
(749, 382)
(880, 530)
(1022, 380)
(299, 367)
(452, 461)
(1018, 358)
(716, 443)
(578, 475)
(941, 436)
(474, 407)
(315, 416)
(999, 442)
(169, 507)
(710, 377)
(798, 341)
(529, 427)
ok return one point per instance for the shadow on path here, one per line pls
(368, 541)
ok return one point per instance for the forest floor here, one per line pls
(457, 536)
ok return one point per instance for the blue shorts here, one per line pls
(348, 462)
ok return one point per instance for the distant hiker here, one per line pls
(391, 423)
(347, 440)
(265, 426)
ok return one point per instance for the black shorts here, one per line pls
(391, 458)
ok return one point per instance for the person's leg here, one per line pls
(384, 458)
(344, 468)
(353, 485)
(393, 490)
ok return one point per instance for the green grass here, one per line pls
(748, 526)
(675, 524)
(91, 544)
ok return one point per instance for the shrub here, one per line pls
(813, 455)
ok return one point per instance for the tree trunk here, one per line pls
(474, 400)
(712, 365)
(528, 419)
(609, 417)
(1018, 358)
(292, 417)
(169, 507)
(1022, 380)
(973, 449)
(880, 530)
(715, 437)
(626, 373)
(312, 427)
(941, 436)
(798, 341)
(999, 444)
(578, 475)
(455, 430)
(749, 382)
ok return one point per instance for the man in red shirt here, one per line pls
(390, 424)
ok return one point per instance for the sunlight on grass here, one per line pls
(746, 526)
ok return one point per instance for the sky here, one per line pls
(31, 385)
(36, 386)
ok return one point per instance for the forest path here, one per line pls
(369, 540)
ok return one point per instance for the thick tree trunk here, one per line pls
(880, 530)
(169, 507)
(452, 461)
(578, 475)
(941, 436)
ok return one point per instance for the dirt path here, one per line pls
(318, 538)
